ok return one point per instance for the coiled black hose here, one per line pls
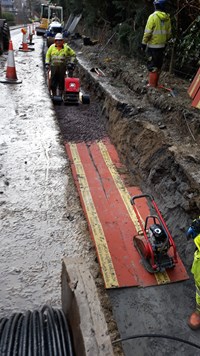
(62, 334)
(12, 332)
(17, 335)
(43, 332)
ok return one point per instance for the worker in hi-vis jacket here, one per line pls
(156, 35)
(194, 233)
(57, 56)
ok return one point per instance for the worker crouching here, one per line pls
(57, 56)
(194, 232)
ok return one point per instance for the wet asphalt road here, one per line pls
(41, 219)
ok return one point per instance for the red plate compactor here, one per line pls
(72, 93)
(154, 241)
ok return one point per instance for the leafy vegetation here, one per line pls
(9, 17)
(128, 18)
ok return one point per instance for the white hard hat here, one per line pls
(59, 36)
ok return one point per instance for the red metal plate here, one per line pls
(105, 200)
(196, 101)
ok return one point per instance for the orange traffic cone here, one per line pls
(25, 47)
(11, 76)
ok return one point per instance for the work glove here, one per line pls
(143, 47)
(172, 40)
(71, 66)
(194, 229)
(47, 66)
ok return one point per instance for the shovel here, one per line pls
(98, 71)
(173, 92)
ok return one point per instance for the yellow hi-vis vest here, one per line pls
(56, 57)
(196, 262)
(158, 30)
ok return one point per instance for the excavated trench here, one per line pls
(152, 140)
(152, 134)
(143, 127)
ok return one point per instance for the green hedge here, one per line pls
(9, 17)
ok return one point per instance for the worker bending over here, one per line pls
(57, 56)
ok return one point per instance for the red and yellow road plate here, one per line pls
(105, 199)
(196, 101)
(195, 85)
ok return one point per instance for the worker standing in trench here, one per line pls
(56, 58)
(156, 34)
(194, 233)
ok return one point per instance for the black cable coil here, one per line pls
(43, 332)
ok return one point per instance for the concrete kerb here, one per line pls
(82, 308)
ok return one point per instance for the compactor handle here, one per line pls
(141, 196)
(70, 66)
(70, 69)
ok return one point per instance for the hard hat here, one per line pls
(160, 3)
(59, 37)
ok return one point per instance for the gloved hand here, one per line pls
(47, 66)
(70, 66)
(172, 40)
(143, 47)
(194, 229)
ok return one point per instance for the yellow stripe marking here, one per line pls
(198, 104)
(119, 184)
(194, 85)
(160, 277)
(105, 259)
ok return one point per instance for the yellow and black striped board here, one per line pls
(112, 222)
